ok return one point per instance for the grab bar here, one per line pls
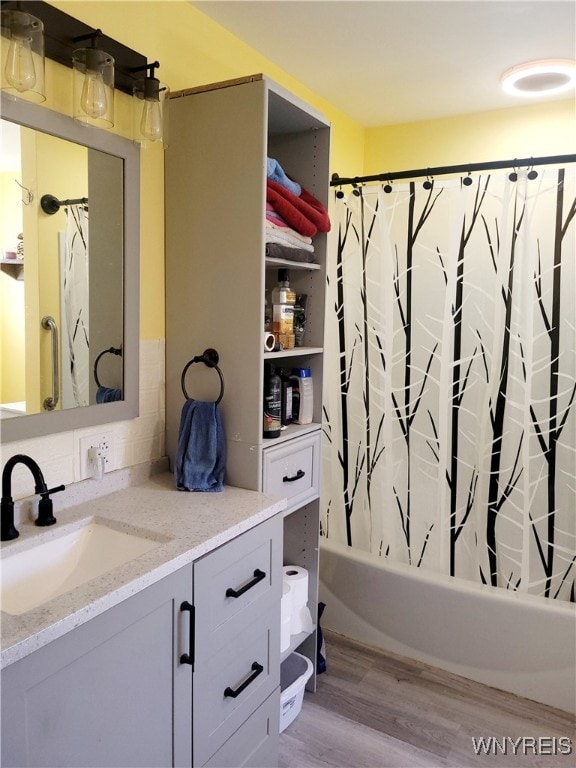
(51, 402)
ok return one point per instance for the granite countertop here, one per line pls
(184, 525)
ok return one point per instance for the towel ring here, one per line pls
(210, 358)
(113, 351)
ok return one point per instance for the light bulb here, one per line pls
(151, 120)
(19, 70)
(93, 99)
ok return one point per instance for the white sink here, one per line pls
(32, 576)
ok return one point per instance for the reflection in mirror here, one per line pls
(64, 302)
(68, 239)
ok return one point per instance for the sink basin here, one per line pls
(45, 570)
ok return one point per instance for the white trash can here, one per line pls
(295, 671)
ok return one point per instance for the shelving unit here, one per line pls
(13, 267)
(217, 276)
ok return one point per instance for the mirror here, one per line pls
(69, 293)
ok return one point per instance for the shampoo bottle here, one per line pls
(302, 395)
(272, 402)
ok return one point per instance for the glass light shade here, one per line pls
(93, 75)
(150, 113)
(22, 53)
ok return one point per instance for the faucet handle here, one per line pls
(54, 490)
(45, 514)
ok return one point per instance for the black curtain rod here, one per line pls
(447, 169)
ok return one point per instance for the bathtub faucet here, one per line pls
(45, 516)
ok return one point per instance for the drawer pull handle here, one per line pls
(258, 576)
(298, 476)
(257, 669)
(188, 658)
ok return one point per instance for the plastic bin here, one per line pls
(295, 671)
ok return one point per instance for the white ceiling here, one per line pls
(395, 61)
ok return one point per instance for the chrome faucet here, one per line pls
(45, 515)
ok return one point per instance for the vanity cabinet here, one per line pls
(237, 593)
(218, 277)
(103, 693)
(185, 672)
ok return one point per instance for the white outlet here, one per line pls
(96, 454)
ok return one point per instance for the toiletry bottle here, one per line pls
(302, 395)
(283, 300)
(272, 402)
(287, 387)
(300, 319)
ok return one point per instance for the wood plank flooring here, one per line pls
(378, 710)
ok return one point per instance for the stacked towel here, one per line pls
(201, 458)
(275, 172)
(293, 215)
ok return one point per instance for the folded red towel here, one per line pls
(305, 214)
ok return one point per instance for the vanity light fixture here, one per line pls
(540, 78)
(150, 110)
(93, 83)
(22, 55)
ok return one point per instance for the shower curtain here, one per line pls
(75, 309)
(451, 331)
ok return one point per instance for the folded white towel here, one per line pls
(288, 231)
(283, 238)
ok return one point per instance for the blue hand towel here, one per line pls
(201, 458)
(108, 394)
(275, 172)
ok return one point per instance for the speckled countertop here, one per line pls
(185, 526)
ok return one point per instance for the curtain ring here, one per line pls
(532, 174)
(429, 183)
(388, 186)
(467, 180)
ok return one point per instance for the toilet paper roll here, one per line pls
(297, 577)
(269, 342)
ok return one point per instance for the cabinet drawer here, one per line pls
(255, 743)
(292, 469)
(234, 683)
(237, 583)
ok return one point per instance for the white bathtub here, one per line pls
(518, 643)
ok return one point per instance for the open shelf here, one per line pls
(295, 642)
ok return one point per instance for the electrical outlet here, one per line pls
(95, 449)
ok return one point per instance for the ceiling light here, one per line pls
(540, 78)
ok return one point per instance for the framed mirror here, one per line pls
(69, 274)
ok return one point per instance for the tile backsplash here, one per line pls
(135, 441)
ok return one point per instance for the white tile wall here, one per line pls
(135, 441)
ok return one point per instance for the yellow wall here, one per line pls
(193, 50)
(527, 131)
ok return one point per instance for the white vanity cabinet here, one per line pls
(146, 682)
(103, 694)
(237, 593)
(217, 278)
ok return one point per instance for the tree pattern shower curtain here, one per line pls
(75, 300)
(451, 331)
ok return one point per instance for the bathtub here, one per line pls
(518, 643)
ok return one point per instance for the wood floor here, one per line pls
(377, 710)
